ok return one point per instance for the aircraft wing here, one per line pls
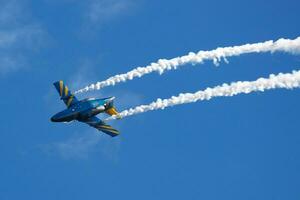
(101, 126)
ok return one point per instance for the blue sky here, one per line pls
(244, 147)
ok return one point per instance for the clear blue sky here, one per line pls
(244, 147)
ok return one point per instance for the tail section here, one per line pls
(113, 112)
(110, 109)
(65, 94)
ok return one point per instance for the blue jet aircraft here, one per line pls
(85, 110)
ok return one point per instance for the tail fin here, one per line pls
(112, 111)
(65, 94)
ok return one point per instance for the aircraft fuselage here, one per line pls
(83, 110)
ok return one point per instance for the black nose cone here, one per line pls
(53, 119)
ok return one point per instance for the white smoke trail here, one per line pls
(283, 45)
(288, 81)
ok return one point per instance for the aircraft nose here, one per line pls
(53, 119)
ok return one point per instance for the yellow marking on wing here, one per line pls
(109, 128)
(66, 91)
(106, 126)
(61, 84)
(114, 131)
(70, 101)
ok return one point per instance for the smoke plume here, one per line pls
(162, 65)
(286, 81)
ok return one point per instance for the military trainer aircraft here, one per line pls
(85, 110)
